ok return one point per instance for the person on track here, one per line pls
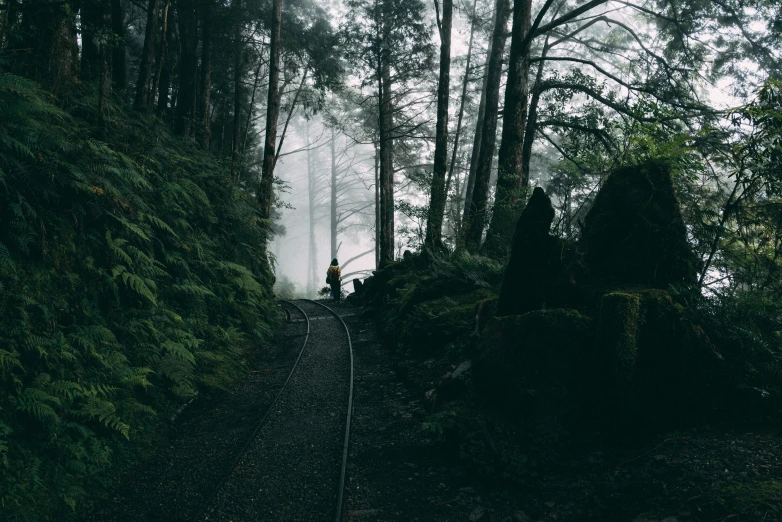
(334, 278)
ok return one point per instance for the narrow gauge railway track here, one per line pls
(285, 469)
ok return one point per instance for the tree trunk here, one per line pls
(103, 89)
(163, 74)
(333, 197)
(377, 205)
(510, 184)
(119, 64)
(475, 220)
(532, 117)
(385, 116)
(91, 66)
(141, 102)
(475, 153)
(438, 195)
(205, 104)
(237, 69)
(188, 68)
(313, 245)
(265, 192)
(465, 84)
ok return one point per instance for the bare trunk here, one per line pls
(141, 102)
(510, 184)
(476, 151)
(119, 65)
(333, 197)
(532, 118)
(313, 245)
(386, 165)
(238, 73)
(91, 66)
(163, 76)
(188, 69)
(475, 220)
(465, 83)
(265, 193)
(205, 103)
(377, 205)
(438, 195)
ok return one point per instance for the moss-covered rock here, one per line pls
(530, 365)
(634, 233)
(535, 262)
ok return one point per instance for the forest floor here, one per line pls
(396, 471)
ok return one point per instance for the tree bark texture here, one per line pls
(92, 19)
(510, 184)
(334, 222)
(265, 193)
(465, 84)
(386, 162)
(119, 64)
(438, 195)
(163, 74)
(188, 68)
(205, 102)
(475, 220)
(141, 101)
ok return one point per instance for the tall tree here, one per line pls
(188, 67)
(119, 64)
(141, 100)
(266, 190)
(475, 218)
(205, 83)
(514, 116)
(438, 195)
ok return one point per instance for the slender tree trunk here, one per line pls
(91, 67)
(162, 74)
(386, 163)
(510, 184)
(205, 104)
(265, 192)
(141, 101)
(475, 153)
(438, 195)
(103, 89)
(333, 197)
(238, 78)
(465, 84)
(313, 247)
(119, 65)
(290, 113)
(188, 68)
(377, 204)
(532, 117)
(475, 220)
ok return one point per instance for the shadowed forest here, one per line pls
(559, 231)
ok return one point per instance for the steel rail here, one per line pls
(261, 422)
(341, 490)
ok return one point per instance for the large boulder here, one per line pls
(535, 261)
(634, 233)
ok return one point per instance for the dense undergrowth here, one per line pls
(428, 310)
(131, 274)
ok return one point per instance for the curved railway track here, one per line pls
(232, 487)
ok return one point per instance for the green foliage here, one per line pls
(130, 275)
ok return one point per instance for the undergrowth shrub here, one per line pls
(131, 273)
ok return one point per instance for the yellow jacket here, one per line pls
(334, 273)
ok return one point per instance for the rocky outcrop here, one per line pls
(535, 260)
(629, 356)
(634, 233)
